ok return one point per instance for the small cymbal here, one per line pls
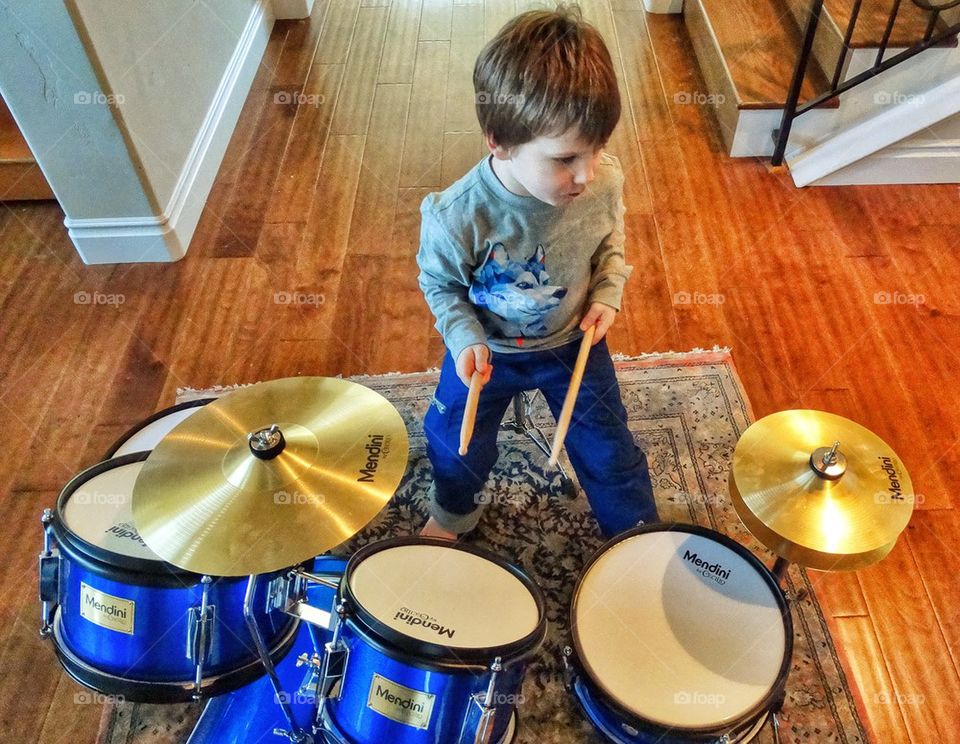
(820, 490)
(270, 475)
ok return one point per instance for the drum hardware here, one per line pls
(200, 629)
(295, 734)
(523, 424)
(49, 573)
(486, 702)
(336, 655)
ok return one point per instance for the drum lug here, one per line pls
(569, 673)
(200, 630)
(486, 702)
(49, 576)
(335, 661)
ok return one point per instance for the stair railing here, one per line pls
(932, 37)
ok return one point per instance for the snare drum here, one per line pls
(126, 623)
(147, 434)
(679, 634)
(431, 646)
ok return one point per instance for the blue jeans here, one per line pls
(611, 469)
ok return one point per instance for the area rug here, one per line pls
(687, 411)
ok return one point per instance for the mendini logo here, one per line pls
(714, 571)
(374, 450)
(887, 466)
(424, 621)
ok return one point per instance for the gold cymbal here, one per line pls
(825, 508)
(215, 500)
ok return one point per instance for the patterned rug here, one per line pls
(687, 412)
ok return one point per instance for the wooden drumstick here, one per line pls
(470, 412)
(566, 413)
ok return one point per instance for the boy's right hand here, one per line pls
(472, 359)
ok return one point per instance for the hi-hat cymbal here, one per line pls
(823, 506)
(270, 475)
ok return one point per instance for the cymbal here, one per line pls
(270, 475)
(820, 490)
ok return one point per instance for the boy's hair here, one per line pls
(543, 73)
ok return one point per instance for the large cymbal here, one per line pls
(829, 513)
(210, 501)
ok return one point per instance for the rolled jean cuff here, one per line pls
(451, 521)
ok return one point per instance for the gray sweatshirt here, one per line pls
(514, 272)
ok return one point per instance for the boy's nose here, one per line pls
(584, 175)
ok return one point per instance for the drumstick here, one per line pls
(470, 412)
(566, 413)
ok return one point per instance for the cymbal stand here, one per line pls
(295, 734)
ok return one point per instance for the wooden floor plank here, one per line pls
(352, 114)
(421, 165)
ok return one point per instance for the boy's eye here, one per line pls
(567, 160)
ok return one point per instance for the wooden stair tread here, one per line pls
(910, 26)
(760, 46)
(13, 147)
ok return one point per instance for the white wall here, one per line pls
(163, 62)
(128, 106)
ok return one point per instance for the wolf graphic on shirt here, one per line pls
(517, 291)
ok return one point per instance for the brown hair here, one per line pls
(543, 73)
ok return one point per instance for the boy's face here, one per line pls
(554, 169)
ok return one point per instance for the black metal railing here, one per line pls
(932, 37)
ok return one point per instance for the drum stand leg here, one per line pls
(294, 734)
(523, 424)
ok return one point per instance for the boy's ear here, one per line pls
(500, 153)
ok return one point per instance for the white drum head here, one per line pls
(679, 629)
(100, 512)
(445, 596)
(149, 436)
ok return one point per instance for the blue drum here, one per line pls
(147, 434)
(126, 623)
(253, 713)
(680, 635)
(430, 646)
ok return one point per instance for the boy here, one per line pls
(522, 255)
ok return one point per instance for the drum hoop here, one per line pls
(138, 427)
(766, 703)
(425, 651)
(97, 558)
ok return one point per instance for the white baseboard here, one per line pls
(663, 6)
(292, 9)
(166, 237)
(935, 161)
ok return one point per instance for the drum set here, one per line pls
(190, 565)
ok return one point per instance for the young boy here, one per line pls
(523, 254)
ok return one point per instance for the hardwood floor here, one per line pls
(322, 198)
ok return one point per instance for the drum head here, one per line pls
(98, 509)
(680, 629)
(435, 595)
(147, 434)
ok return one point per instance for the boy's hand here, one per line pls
(600, 315)
(472, 359)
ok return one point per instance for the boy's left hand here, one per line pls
(600, 315)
